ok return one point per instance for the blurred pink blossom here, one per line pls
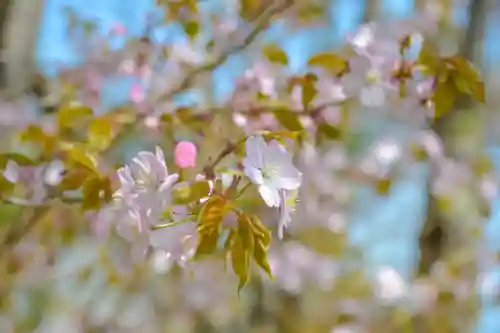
(118, 29)
(137, 93)
(185, 154)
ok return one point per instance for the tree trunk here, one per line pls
(19, 39)
(371, 10)
(5, 7)
(434, 233)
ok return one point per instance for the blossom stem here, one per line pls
(170, 224)
(243, 190)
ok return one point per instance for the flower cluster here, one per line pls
(299, 158)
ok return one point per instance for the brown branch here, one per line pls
(18, 230)
(15, 234)
(260, 25)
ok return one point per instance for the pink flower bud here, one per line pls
(185, 154)
(118, 29)
(137, 93)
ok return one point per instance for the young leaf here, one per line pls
(100, 133)
(262, 240)
(209, 225)
(309, 90)
(383, 186)
(240, 259)
(289, 120)
(74, 178)
(16, 157)
(275, 54)
(35, 135)
(260, 257)
(227, 245)
(78, 156)
(444, 97)
(329, 131)
(198, 190)
(192, 28)
(6, 187)
(331, 62)
(96, 190)
(71, 114)
(474, 84)
(207, 243)
(429, 58)
(260, 231)
(245, 232)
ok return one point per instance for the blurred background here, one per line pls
(358, 277)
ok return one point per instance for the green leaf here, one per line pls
(209, 225)
(444, 97)
(192, 193)
(100, 133)
(289, 119)
(260, 255)
(294, 135)
(192, 28)
(429, 58)
(240, 259)
(383, 186)
(471, 81)
(245, 233)
(36, 136)
(262, 240)
(331, 62)
(16, 157)
(227, 245)
(78, 156)
(95, 191)
(6, 187)
(329, 131)
(71, 114)
(275, 54)
(260, 231)
(74, 178)
(199, 190)
(309, 90)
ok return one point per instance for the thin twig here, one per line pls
(260, 25)
(18, 231)
(15, 234)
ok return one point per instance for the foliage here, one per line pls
(224, 176)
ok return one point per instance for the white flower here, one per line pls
(144, 196)
(270, 166)
(147, 176)
(369, 80)
(390, 285)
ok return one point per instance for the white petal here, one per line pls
(256, 146)
(254, 174)
(125, 176)
(270, 196)
(288, 178)
(159, 155)
(152, 164)
(276, 154)
(373, 95)
(11, 172)
(168, 182)
(285, 217)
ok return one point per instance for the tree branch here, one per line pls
(260, 25)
